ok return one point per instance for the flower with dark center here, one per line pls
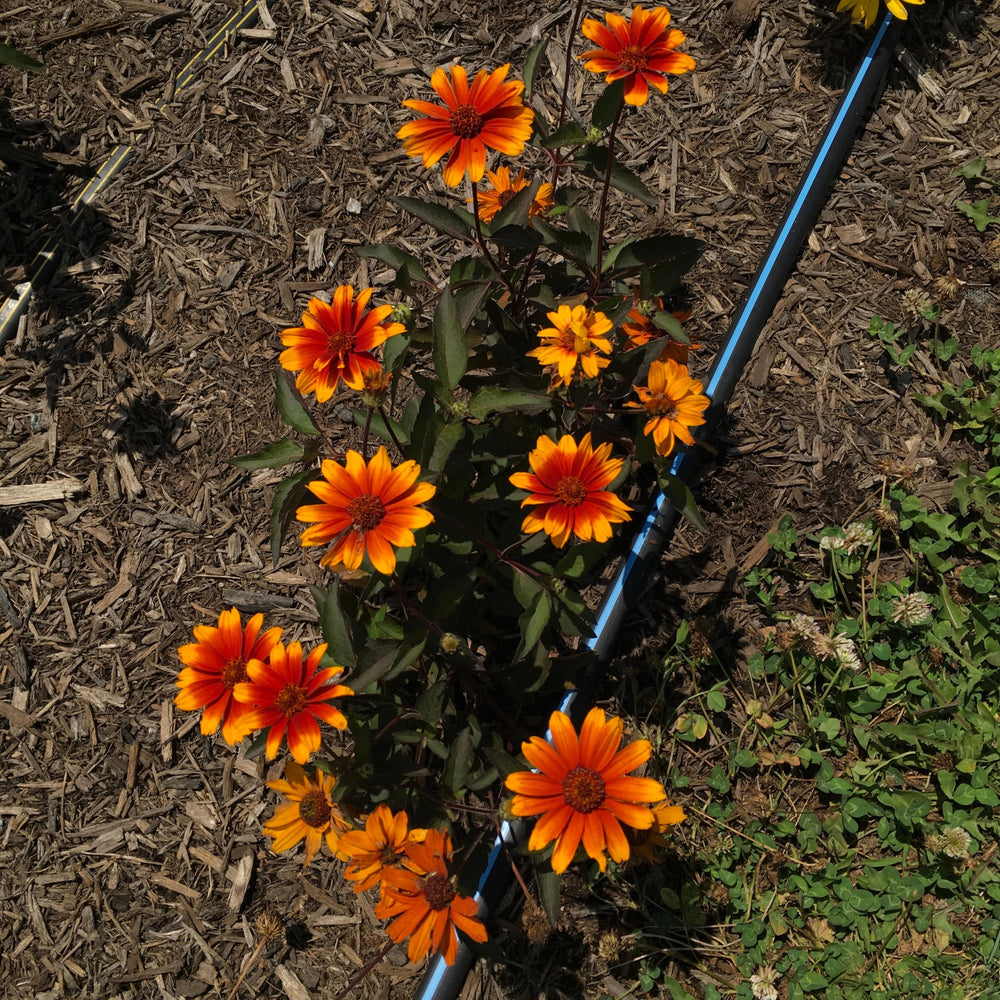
(581, 790)
(422, 903)
(674, 402)
(336, 341)
(215, 664)
(308, 813)
(487, 113)
(503, 188)
(567, 489)
(368, 509)
(380, 845)
(289, 695)
(640, 51)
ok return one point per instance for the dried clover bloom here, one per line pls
(911, 609)
(885, 517)
(914, 304)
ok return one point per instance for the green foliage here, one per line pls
(974, 172)
(18, 59)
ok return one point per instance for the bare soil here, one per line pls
(131, 859)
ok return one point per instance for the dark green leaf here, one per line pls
(593, 162)
(531, 66)
(548, 892)
(494, 399)
(430, 705)
(443, 219)
(291, 407)
(671, 325)
(274, 456)
(287, 497)
(568, 134)
(517, 211)
(18, 59)
(516, 238)
(656, 250)
(502, 761)
(532, 623)
(444, 445)
(336, 631)
(607, 105)
(574, 245)
(468, 300)
(449, 351)
(394, 257)
(682, 499)
(456, 767)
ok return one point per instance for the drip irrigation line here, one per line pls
(441, 981)
(47, 259)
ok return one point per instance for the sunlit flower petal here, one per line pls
(503, 188)
(674, 402)
(576, 336)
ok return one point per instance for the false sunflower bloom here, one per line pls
(504, 188)
(336, 341)
(215, 664)
(366, 508)
(867, 10)
(674, 402)
(576, 336)
(567, 485)
(640, 330)
(487, 113)
(423, 904)
(380, 845)
(308, 813)
(581, 790)
(288, 694)
(640, 51)
(649, 844)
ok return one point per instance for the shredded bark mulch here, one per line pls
(131, 859)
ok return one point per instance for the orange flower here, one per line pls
(215, 664)
(640, 330)
(576, 335)
(639, 51)
(289, 694)
(567, 483)
(674, 402)
(648, 844)
(309, 812)
(382, 844)
(424, 906)
(366, 508)
(489, 113)
(581, 790)
(335, 342)
(490, 202)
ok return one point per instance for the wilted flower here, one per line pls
(914, 304)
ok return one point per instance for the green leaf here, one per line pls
(532, 623)
(336, 631)
(444, 444)
(531, 67)
(449, 351)
(979, 213)
(495, 399)
(574, 245)
(287, 497)
(456, 767)
(394, 257)
(655, 250)
(972, 170)
(518, 210)
(430, 704)
(291, 407)
(607, 105)
(274, 456)
(682, 499)
(516, 238)
(18, 59)
(593, 162)
(468, 300)
(548, 892)
(443, 219)
(568, 134)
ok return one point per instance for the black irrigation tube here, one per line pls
(441, 981)
(47, 259)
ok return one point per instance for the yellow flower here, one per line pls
(867, 10)
(674, 402)
(576, 336)
(504, 188)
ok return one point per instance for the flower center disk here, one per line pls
(583, 789)
(233, 673)
(466, 122)
(340, 341)
(366, 512)
(315, 810)
(291, 699)
(570, 491)
(438, 892)
(633, 56)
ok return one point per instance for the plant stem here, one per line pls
(392, 433)
(578, 10)
(364, 971)
(598, 275)
(368, 425)
(480, 239)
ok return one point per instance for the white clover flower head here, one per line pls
(955, 842)
(857, 536)
(803, 627)
(832, 543)
(911, 609)
(762, 983)
(914, 303)
(845, 652)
